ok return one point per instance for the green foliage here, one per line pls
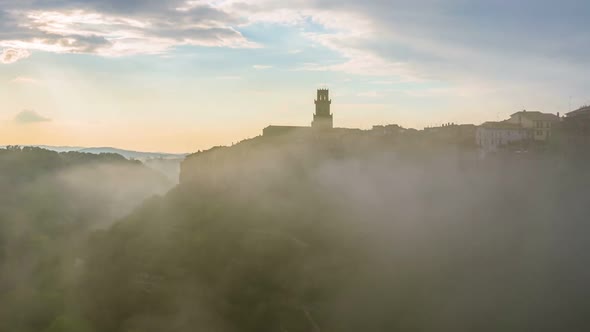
(68, 324)
(286, 237)
(263, 237)
(49, 202)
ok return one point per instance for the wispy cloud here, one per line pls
(29, 117)
(452, 91)
(25, 80)
(11, 55)
(431, 40)
(118, 33)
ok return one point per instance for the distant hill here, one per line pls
(167, 164)
(129, 154)
(60, 148)
(133, 154)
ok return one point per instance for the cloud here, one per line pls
(29, 116)
(25, 80)
(11, 55)
(262, 67)
(460, 92)
(453, 41)
(520, 44)
(92, 29)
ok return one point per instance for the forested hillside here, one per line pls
(49, 203)
(280, 236)
(265, 236)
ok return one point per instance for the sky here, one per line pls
(179, 76)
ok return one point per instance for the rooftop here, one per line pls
(500, 125)
(582, 110)
(536, 115)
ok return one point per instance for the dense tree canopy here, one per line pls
(287, 237)
(48, 203)
(282, 237)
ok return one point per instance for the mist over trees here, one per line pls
(49, 202)
(276, 235)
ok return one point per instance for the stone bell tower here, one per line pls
(323, 119)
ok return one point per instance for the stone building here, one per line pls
(491, 136)
(452, 133)
(539, 125)
(323, 119)
(575, 128)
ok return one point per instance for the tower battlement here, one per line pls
(323, 118)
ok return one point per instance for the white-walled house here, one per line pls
(539, 124)
(492, 135)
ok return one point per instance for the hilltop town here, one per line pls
(526, 134)
(523, 131)
(284, 231)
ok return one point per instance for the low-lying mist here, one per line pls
(110, 191)
(281, 236)
(49, 204)
(295, 237)
(168, 167)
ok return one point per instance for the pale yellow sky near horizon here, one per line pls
(120, 75)
(175, 117)
(177, 136)
(200, 130)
